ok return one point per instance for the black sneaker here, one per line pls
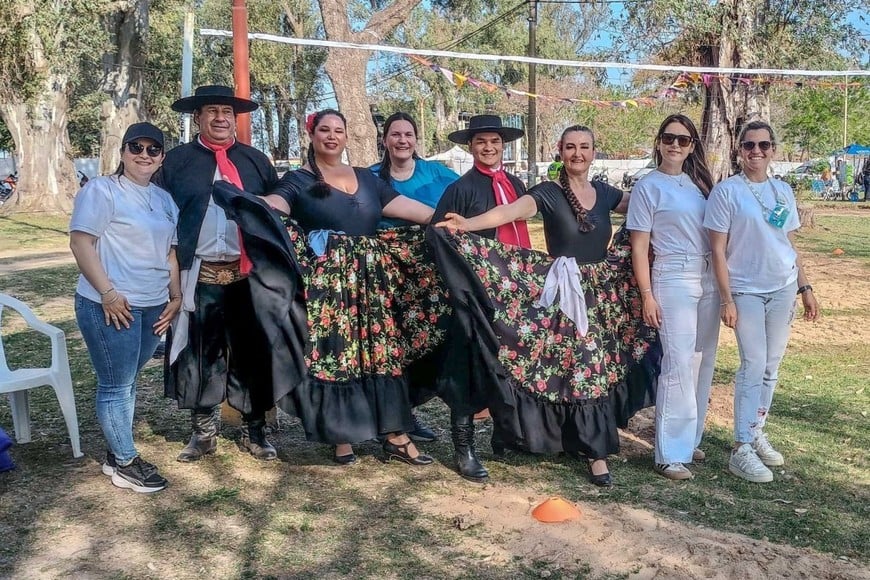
(139, 475)
(420, 431)
(110, 465)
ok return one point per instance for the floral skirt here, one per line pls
(375, 305)
(551, 388)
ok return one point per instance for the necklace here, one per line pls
(757, 194)
(677, 179)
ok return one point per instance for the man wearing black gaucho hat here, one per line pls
(480, 189)
(217, 350)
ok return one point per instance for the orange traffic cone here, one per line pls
(555, 510)
(838, 252)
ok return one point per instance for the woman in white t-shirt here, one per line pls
(122, 234)
(666, 214)
(751, 221)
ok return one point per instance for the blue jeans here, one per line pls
(763, 325)
(685, 288)
(117, 356)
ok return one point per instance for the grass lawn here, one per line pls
(233, 517)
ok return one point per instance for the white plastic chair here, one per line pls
(16, 383)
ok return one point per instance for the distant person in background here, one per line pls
(865, 177)
(841, 175)
(554, 168)
(417, 179)
(122, 234)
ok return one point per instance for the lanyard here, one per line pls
(779, 201)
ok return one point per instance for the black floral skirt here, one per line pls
(376, 305)
(551, 388)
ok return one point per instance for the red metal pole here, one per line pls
(241, 73)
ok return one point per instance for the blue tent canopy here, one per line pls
(856, 149)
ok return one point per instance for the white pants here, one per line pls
(684, 287)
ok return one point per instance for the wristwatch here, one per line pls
(803, 289)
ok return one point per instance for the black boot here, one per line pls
(254, 439)
(204, 439)
(462, 430)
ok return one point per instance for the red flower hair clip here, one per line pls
(309, 122)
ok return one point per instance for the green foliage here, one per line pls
(815, 123)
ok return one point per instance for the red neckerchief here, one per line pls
(513, 233)
(230, 172)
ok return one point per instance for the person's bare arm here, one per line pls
(652, 314)
(174, 304)
(521, 209)
(811, 306)
(408, 209)
(622, 206)
(727, 308)
(116, 309)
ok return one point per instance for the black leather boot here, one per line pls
(462, 431)
(254, 440)
(204, 439)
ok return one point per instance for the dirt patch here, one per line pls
(619, 540)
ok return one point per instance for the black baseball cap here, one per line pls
(143, 130)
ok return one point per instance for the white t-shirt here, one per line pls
(135, 228)
(671, 209)
(760, 257)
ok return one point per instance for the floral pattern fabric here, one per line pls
(375, 303)
(540, 348)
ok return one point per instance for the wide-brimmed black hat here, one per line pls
(485, 124)
(213, 95)
(143, 131)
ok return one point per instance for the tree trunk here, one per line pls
(46, 174)
(122, 79)
(729, 104)
(807, 216)
(346, 69)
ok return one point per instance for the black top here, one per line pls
(188, 175)
(561, 229)
(472, 195)
(356, 214)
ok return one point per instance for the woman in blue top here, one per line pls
(401, 167)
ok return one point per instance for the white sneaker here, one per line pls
(746, 464)
(675, 471)
(765, 451)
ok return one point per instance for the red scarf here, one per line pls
(513, 233)
(230, 173)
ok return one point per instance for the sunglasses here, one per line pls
(750, 145)
(682, 140)
(138, 148)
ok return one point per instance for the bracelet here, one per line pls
(107, 291)
(646, 291)
(724, 304)
(806, 288)
(113, 300)
(174, 296)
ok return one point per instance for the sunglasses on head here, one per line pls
(137, 148)
(682, 140)
(750, 145)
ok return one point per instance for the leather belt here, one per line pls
(221, 273)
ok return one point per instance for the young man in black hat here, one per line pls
(217, 349)
(480, 189)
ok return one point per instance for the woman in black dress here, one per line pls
(568, 377)
(362, 296)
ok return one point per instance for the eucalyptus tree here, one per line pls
(42, 43)
(736, 34)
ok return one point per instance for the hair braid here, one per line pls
(585, 220)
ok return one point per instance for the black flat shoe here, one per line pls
(348, 459)
(400, 452)
(602, 480)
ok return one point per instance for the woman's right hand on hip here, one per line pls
(116, 310)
